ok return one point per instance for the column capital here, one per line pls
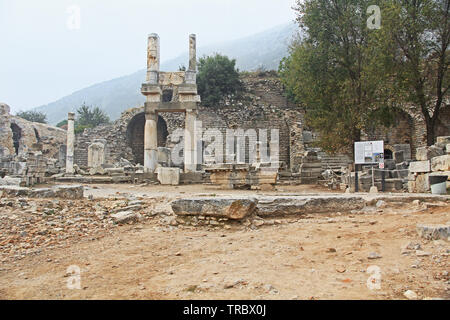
(71, 116)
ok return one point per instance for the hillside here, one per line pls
(262, 50)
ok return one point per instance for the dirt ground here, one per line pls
(314, 256)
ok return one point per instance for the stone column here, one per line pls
(153, 58)
(70, 143)
(190, 145)
(192, 53)
(150, 142)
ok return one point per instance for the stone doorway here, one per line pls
(135, 135)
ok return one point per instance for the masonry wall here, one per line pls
(262, 107)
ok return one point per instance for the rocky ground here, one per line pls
(372, 253)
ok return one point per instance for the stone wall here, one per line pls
(6, 138)
(262, 106)
(19, 136)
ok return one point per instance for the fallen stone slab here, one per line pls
(433, 232)
(231, 208)
(279, 206)
(125, 217)
(64, 192)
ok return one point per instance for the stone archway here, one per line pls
(135, 135)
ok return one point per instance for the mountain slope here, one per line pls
(262, 50)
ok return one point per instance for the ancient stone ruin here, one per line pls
(256, 142)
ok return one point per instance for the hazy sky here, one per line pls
(45, 56)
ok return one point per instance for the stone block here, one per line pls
(427, 153)
(292, 205)
(125, 217)
(447, 148)
(168, 176)
(419, 166)
(8, 181)
(411, 186)
(231, 208)
(442, 141)
(406, 148)
(433, 232)
(64, 192)
(422, 183)
(399, 156)
(441, 163)
(96, 155)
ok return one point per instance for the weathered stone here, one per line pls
(96, 155)
(429, 152)
(422, 183)
(232, 208)
(399, 156)
(64, 192)
(8, 181)
(441, 163)
(410, 295)
(290, 205)
(447, 148)
(70, 143)
(411, 186)
(433, 232)
(168, 176)
(125, 217)
(419, 166)
(442, 141)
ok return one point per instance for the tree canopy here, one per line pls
(331, 72)
(34, 116)
(89, 117)
(351, 78)
(217, 79)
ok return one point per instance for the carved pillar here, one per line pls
(192, 53)
(70, 143)
(150, 142)
(190, 144)
(153, 52)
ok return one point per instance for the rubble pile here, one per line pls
(431, 161)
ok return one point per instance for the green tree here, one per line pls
(414, 41)
(90, 117)
(34, 116)
(332, 72)
(217, 79)
(62, 123)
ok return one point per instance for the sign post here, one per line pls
(369, 153)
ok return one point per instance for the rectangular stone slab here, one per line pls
(231, 208)
(64, 192)
(279, 206)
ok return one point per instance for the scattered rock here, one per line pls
(125, 217)
(373, 255)
(421, 253)
(411, 295)
(433, 232)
